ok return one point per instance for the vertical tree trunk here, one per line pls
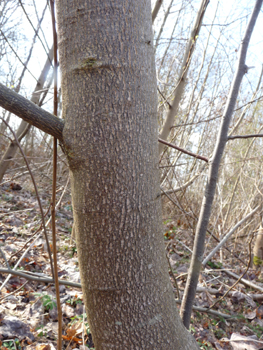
(258, 248)
(110, 138)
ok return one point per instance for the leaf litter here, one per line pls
(28, 315)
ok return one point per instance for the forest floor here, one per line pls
(28, 315)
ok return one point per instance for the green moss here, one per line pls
(257, 261)
(88, 63)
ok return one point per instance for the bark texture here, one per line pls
(110, 138)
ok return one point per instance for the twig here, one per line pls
(184, 150)
(17, 56)
(222, 242)
(164, 97)
(213, 312)
(13, 272)
(37, 195)
(34, 277)
(14, 292)
(239, 279)
(243, 136)
(4, 257)
(24, 246)
(214, 291)
(244, 281)
(174, 278)
(19, 261)
(53, 204)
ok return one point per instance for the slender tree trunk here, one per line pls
(182, 79)
(24, 126)
(258, 248)
(196, 261)
(156, 9)
(110, 138)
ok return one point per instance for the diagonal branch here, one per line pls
(182, 78)
(223, 241)
(30, 112)
(184, 150)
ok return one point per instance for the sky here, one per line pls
(232, 17)
(234, 13)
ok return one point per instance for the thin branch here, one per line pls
(53, 204)
(166, 14)
(249, 103)
(37, 195)
(33, 26)
(35, 277)
(184, 150)
(181, 188)
(165, 100)
(17, 89)
(14, 51)
(208, 311)
(182, 77)
(239, 279)
(216, 117)
(243, 136)
(14, 292)
(226, 24)
(222, 242)
(244, 281)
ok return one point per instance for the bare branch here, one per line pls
(222, 242)
(35, 277)
(181, 83)
(243, 136)
(184, 150)
(30, 112)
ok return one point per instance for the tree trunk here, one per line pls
(258, 248)
(182, 78)
(110, 138)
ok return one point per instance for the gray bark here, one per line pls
(196, 262)
(30, 112)
(110, 138)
